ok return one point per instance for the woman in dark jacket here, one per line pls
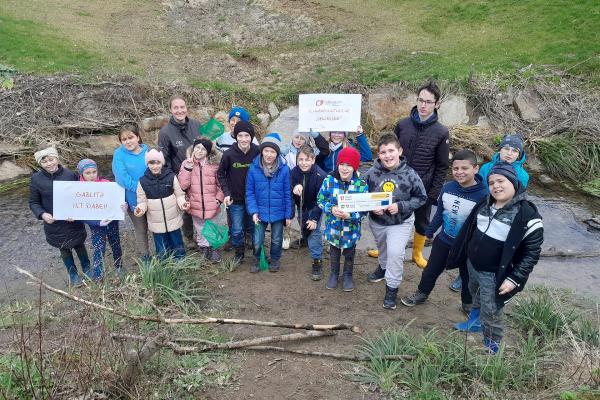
(64, 235)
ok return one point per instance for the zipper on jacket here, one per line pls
(202, 193)
(162, 205)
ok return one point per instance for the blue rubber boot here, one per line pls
(74, 278)
(491, 346)
(472, 324)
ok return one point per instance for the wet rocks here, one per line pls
(10, 170)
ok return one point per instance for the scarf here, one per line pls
(334, 147)
(269, 171)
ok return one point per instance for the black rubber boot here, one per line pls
(239, 255)
(348, 284)
(389, 302)
(334, 273)
(317, 270)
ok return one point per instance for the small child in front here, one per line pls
(162, 199)
(342, 229)
(64, 235)
(499, 243)
(392, 224)
(307, 179)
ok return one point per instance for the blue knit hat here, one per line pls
(85, 164)
(513, 140)
(239, 112)
(272, 140)
(507, 170)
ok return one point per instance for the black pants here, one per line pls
(422, 217)
(335, 254)
(436, 265)
(188, 226)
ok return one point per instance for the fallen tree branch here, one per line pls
(337, 356)
(136, 359)
(194, 321)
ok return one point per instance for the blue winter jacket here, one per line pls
(361, 145)
(271, 198)
(128, 168)
(522, 175)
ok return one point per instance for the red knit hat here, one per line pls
(350, 156)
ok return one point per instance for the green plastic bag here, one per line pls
(216, 235)
(263, 264)
(212, 129)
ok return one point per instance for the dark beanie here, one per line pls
(507, 170)
(243, 126)
(204, 142)
(513, 140)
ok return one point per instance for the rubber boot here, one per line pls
(373, 253)
(86, 267)
(348, 283)
(334, 273)
(239, 255)
(389, 301)
(472, 324)
(492, 347)
(74, 278)
(417, 250)
(317, 270)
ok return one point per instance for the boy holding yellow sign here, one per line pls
(391, 225)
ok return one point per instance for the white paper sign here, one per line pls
(329, 112)
(354, 202)
(88, 200)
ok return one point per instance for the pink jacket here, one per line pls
(202, 187)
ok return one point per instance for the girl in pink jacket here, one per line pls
(198, 177)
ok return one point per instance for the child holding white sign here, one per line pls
(104, 230)
(342, 229)
(160, 196)
(64, 235)
(339, 141)
(392, 225)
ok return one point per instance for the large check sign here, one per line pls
(364, 201)
(329, 112)
(88, 200)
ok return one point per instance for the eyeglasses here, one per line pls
(428, 102)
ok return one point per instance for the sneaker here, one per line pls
(414, 299)
(377, 275)
(298, 244)
(317, 270)
(456, 284)
(214, 256)
(389, 302)
(492, 347)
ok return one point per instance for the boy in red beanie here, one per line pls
(342, 229)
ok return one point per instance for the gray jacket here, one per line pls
(406, 187)
(175, 138)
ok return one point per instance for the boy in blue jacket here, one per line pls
(307, 179)
(268, 198)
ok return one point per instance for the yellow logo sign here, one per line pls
(389, 187)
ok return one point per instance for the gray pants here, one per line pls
(482, 286)
(140, 229)
(391, 243)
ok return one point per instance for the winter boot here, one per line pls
(274, 266)
(472, 324)
(213, 255)
(348, 284)
(74, 278)
(239, 255)
(203, 252)
(417, 251)
(416, 298)
(492, 347)
(317, 270)
(228, 246)
(377, 275)
(86, 267)
(389, 301)
(334, 273)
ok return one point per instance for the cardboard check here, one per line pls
(364, 201)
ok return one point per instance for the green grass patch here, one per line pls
(21, 378)
(33, 47)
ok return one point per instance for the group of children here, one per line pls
(489, 230)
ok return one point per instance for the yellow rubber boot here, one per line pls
(417, 250)
(373, 253)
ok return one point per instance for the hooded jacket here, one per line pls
(202, 187)
(321, 148)
(311, 182)
(521, 249)
(162, 199)
(174, 139)
(270, 198)
(60, 234)
(425, 145)
(128, 168)
(329, 163)
(406, 187)
(341, 233)
(233, 170)
(455, 203)
(522, 175)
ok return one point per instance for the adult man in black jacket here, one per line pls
(424, 142)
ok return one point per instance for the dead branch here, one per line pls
(136, 359)
(192, 321)
(338, 356)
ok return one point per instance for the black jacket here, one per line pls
(61, 234)
(311, 182)
(233, 170)
(521, 249)
(158, 186)
(175, 138)
(425, 145)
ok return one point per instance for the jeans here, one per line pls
(276, 239)
(391, 243)
(239, 219)
(169, 243)
(100, 235)
(482, 285)
(314, 239)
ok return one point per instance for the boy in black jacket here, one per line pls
(306, 179)
(499, 243)
(232, 173)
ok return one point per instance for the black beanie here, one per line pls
(507, 170)
(204, 142)
(244, 126)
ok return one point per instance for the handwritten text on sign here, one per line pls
(88, 200)
(329, 112)
(364, 201)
